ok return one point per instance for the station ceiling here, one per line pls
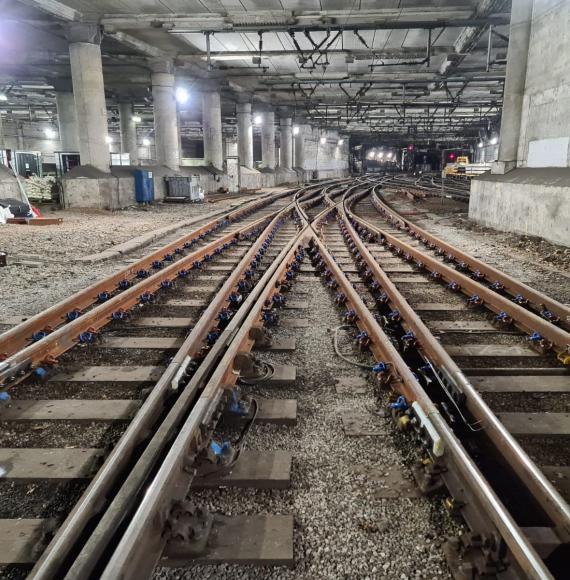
(399, 69)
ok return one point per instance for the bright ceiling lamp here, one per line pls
(340, 142)
(494, 140)
(50, 133)
(380, 154)
(258, 119)
(3, 97)
(108, 139)
(182, 95)
(136, 118)
(146, 142)
(389, 155)
(295, 130)
(323, 140)
(480, 144)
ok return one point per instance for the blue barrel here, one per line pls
(144, 186)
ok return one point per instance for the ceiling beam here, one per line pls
(139, 45)
(55, 8)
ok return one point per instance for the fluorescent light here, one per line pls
(136, 118)
(258, 119)
(295, 130)
(146, 142)
(323, 140)
(3, 97)
(50, 133)
(182, 95)
(108, 139)
(340, 142)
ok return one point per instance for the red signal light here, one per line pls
(452, 156)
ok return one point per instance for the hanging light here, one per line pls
(50, 133)
(340, 142)
(389, 155)
(480, 144)
(323, 140)
(182, 95)
(3, 97)
(258, 119)
(494, 140)
(146, 142)
(136, 118)
(380, 154)
(295, 130)
(108, 139)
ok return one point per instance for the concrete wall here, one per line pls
(328, 160)
(30, 136)
(546, 103)
(526, 201)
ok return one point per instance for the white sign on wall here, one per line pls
(548, 152)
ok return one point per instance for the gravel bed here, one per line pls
(342, 530)
(61, 434)
(547, 450)
(528, 402)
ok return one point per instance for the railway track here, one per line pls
(446, 367)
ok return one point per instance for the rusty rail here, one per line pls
(537, 300)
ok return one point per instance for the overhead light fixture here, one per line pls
(295, 130)
(323, 140)
(494, 140)
(380, 154)
(389, 155)
(340, 142)
(480, 144)
(50, 133)
(258, 119)
(146, 142)
(182, 95)
(136, 118)
(3, 97)
(108, 139)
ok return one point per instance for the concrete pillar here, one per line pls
(89, 94)
(1, 133)
(286, 143)
(300, 149)
(212, 128)
(245, 134)
(165, 115)
(67, 121)
(268, 139)
(517, 56)
(128, 132)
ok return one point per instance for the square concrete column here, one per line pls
(128, 132)
(212, 128)
(268, 139)
(245, 134)
(286, 143)
(165, 115)
(89, 94)
(517, 56)
(66, 117)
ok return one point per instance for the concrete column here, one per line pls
(268, 139)
(286, 143)
(67, 121)
(1, 133)
(89, 94)
(165, 115)
(128, 132)
(517, 56)
(245, 134)
(212, 128)
(300, 149)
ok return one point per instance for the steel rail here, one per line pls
(20, 336)
(524, 319)
(528, 472)
(144, 540)
(512, 286)
(15, 368)
(406, 384)
(99, 495)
